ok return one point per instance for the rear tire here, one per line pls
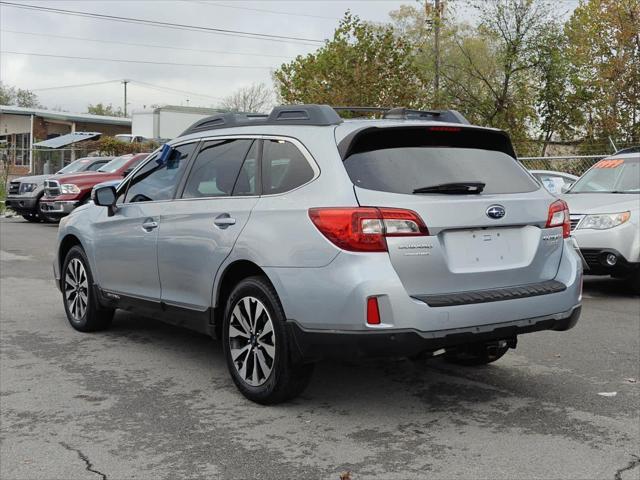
(81, 305)
(475, 354)
(256, 345)
(634, 282)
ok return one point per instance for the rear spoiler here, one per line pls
(461, 136)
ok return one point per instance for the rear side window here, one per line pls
(284, 167)
(217, 168)
(403, 168)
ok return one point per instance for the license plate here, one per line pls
(484, 249)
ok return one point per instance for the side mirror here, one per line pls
(105, 197)
(565, 188)
(127, 172)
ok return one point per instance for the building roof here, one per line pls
(68, 139)
(65, 116)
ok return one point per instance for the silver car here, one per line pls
(297, 236)
(605, 217)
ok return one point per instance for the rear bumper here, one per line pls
(58, 208)
(333, 298)
(311, 345)
(22, 205)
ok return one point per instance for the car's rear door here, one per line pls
(199, 230)
(126, 242)
(470, 245)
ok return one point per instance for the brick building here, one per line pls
(21, 127)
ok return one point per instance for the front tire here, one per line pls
(81, 305)
(256, 345)
(31, 217)
(43, 214)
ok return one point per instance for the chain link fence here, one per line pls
(576, 165)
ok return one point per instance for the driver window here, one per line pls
(158, 180)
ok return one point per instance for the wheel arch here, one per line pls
(231, 275)
(67, 243)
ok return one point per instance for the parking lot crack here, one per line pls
(85, 459)
(630, 466)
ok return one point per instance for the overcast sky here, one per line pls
(314, 20)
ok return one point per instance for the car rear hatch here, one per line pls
(476, 241)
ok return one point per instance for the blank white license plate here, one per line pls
(483, 249)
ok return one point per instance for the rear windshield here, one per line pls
(405, 169)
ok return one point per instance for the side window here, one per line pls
(216, 169)
(283, 167)
(158, 180)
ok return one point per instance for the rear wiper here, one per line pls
(456, 188)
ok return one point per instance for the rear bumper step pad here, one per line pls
(494, 295)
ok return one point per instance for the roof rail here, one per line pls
(315, 115)
(401, 113)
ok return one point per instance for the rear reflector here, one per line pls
(373, 312)
(363, 229)
(559, 217)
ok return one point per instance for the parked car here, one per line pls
(298, 235)
(128, 138)
(66, 192)
(605, 217)
(555, 182)
(25, 192)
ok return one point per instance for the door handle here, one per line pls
(224, 220)
(149, 225)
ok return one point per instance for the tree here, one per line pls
(106, 110)
(254, 98)
(18, 97)
(555, 100)
(604, 49)
(363, 65)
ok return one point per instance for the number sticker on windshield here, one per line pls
(609, 163)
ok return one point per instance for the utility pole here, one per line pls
(437, 21)
(124, 82)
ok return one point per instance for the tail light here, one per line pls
(363, 229)
(559, 217)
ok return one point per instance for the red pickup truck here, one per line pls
(64, 193)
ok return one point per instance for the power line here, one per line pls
(143, 44)
(178, 26)
(152, 86)
(172, 90)
(73, 86)
(262, 10)
(118, 60)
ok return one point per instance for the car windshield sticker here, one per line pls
(609, 163)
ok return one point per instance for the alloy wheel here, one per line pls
(76, 289)
(252, 341)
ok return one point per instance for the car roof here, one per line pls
(555, 172)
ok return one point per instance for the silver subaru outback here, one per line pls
(298, 235)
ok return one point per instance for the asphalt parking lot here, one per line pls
(148, 400)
